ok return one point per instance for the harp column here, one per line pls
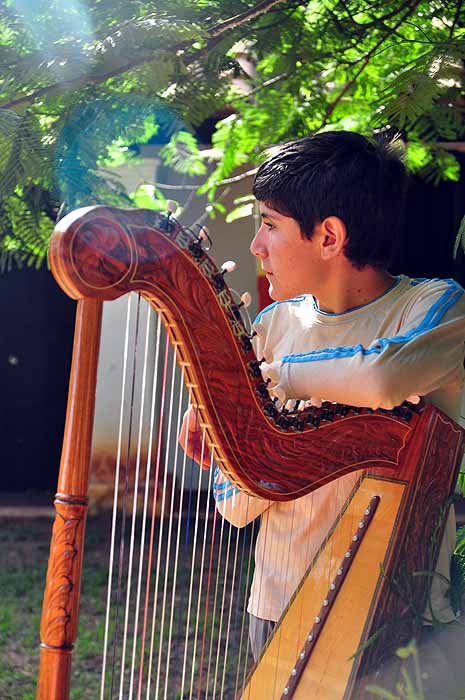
(61, 599)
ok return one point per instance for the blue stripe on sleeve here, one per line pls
(224, 490)
(221, 487)
(227, 494)
(437, 311)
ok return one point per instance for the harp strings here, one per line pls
(215, 607)
(122, 547)
(242, 600)
(161, 531)
(285, 567)
(196, 609)
(146, 495)
(176, 559)
(231, 599)
(133, 524)
(115, 508)
(178, 621)
(167, 558)
(175, 623)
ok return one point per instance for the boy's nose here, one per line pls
(257, 247)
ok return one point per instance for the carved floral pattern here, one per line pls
(59, 615)
(137, 250)
(401, 601)
(104, 253)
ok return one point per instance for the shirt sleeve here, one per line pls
(234, 505)
(427, 353)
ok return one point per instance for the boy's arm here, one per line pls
(426, 354)
(234, 505)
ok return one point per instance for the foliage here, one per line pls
(83, 80)
(457, 572)
(410, 686)
(25, 545)
(183, 154)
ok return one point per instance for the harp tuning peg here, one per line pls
(228, 266)
(169, 223)
(203, 232)
(218, 277)
(246, 300)
(203, 235)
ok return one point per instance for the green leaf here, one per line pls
(148, 197)
(219, 207)
(183, 154)
(74, 95)
(407, 651)
(381, 693)
(240, 212)
(245, 198)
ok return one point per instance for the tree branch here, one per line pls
(365, 62)
(214, 34)
(377, 22)
(245, 17)
(265, 84)
(456, 19)
(393, 13)
(220, 183)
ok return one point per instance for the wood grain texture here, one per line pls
(102, 253)
(331, 662)
(61, 599)
(397, 608)
(383, 597)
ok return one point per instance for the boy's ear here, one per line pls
(332, 236)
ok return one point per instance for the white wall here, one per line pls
(230, 241)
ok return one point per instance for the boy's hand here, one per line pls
(191, 438)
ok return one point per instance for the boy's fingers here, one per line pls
(201, 456)
(191, 438)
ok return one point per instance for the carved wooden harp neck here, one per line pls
(103, 253)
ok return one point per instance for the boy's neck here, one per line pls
(353, 288)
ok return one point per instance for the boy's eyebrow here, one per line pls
(266, 215)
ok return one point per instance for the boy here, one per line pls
(341, 329)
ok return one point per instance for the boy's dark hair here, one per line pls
(343, 174)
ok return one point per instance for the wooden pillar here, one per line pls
(61, 599)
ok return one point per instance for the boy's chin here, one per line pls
(276, 295)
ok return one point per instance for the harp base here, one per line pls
(327, 673)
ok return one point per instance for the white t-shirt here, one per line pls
(408, 341)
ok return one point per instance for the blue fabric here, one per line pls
(223, 491)
(418, 280)
(435, 314)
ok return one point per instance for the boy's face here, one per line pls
(291, 263)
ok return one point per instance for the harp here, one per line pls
(378, 542)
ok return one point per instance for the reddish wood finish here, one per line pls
(61, 600)
(102, 253)
(430, 469)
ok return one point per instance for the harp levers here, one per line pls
(181, 609)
